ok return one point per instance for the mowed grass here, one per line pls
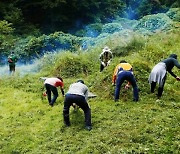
(30, 125)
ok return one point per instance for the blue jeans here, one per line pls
(49, 89)
(81, 102)
(126, 75)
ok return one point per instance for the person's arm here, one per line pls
(86, 95)
(174, 75)
(114, 76)
(178, 66)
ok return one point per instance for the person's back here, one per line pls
(171, 62)
(123, 66)
(78, 88)
(54, 82)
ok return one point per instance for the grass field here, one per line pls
(30, 125)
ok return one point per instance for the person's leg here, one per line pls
(101, 67)
(55, 94)
(161, 88)
(82, 103)
(48, 92)
(153, 85)
(120, 79)
(13, 68)
(67, 103)
(132, 80)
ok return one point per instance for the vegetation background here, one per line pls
(65, 38)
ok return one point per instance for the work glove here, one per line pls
(178, 78)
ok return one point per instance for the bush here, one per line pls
(154, 23)
(72, 65)
(174, 14)
(112, 27)
(132, 43)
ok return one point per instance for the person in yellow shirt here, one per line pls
(122, 72)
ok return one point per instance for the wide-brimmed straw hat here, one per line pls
(106, 49)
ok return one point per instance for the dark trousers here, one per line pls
(126, 75)
(12, 68)
(160, 88)
(49, 89)
(81, 102)
(101, 67)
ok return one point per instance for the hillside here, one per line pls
(30, 125)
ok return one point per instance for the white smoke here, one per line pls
(21, 69)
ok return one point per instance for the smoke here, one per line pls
(21, 69)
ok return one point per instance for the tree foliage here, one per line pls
(61, 15)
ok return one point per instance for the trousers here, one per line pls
(49, 89)
(81, 102)
(122, 76)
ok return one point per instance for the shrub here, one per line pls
(111, 28)
(72, 65)
(154, 23)
(174, 14)
(5, 27)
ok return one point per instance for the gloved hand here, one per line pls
(103, 63)
(113, 84)
(45, 94)
(108, 62)
(127, 86)
(178, 78)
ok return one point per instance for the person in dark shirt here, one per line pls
(159, 73)
(12, 59)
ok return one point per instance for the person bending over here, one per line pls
(77, 93)
(51, 85)
(122, 72)
(159, 73)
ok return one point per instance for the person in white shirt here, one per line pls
(51, 85)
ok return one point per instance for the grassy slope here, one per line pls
(29, 125)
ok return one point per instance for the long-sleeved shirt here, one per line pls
(54, 82)
(12, 59)
(105, 56)
(78, 88)
(121, 67)
(170, 63)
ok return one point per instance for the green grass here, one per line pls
(30, 125)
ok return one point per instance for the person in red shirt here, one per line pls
(51, 85)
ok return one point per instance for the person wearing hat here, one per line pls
(12, 59)
(159, 73)
(51, 85)
(122, 72)
(105, 58)
(77, 93)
